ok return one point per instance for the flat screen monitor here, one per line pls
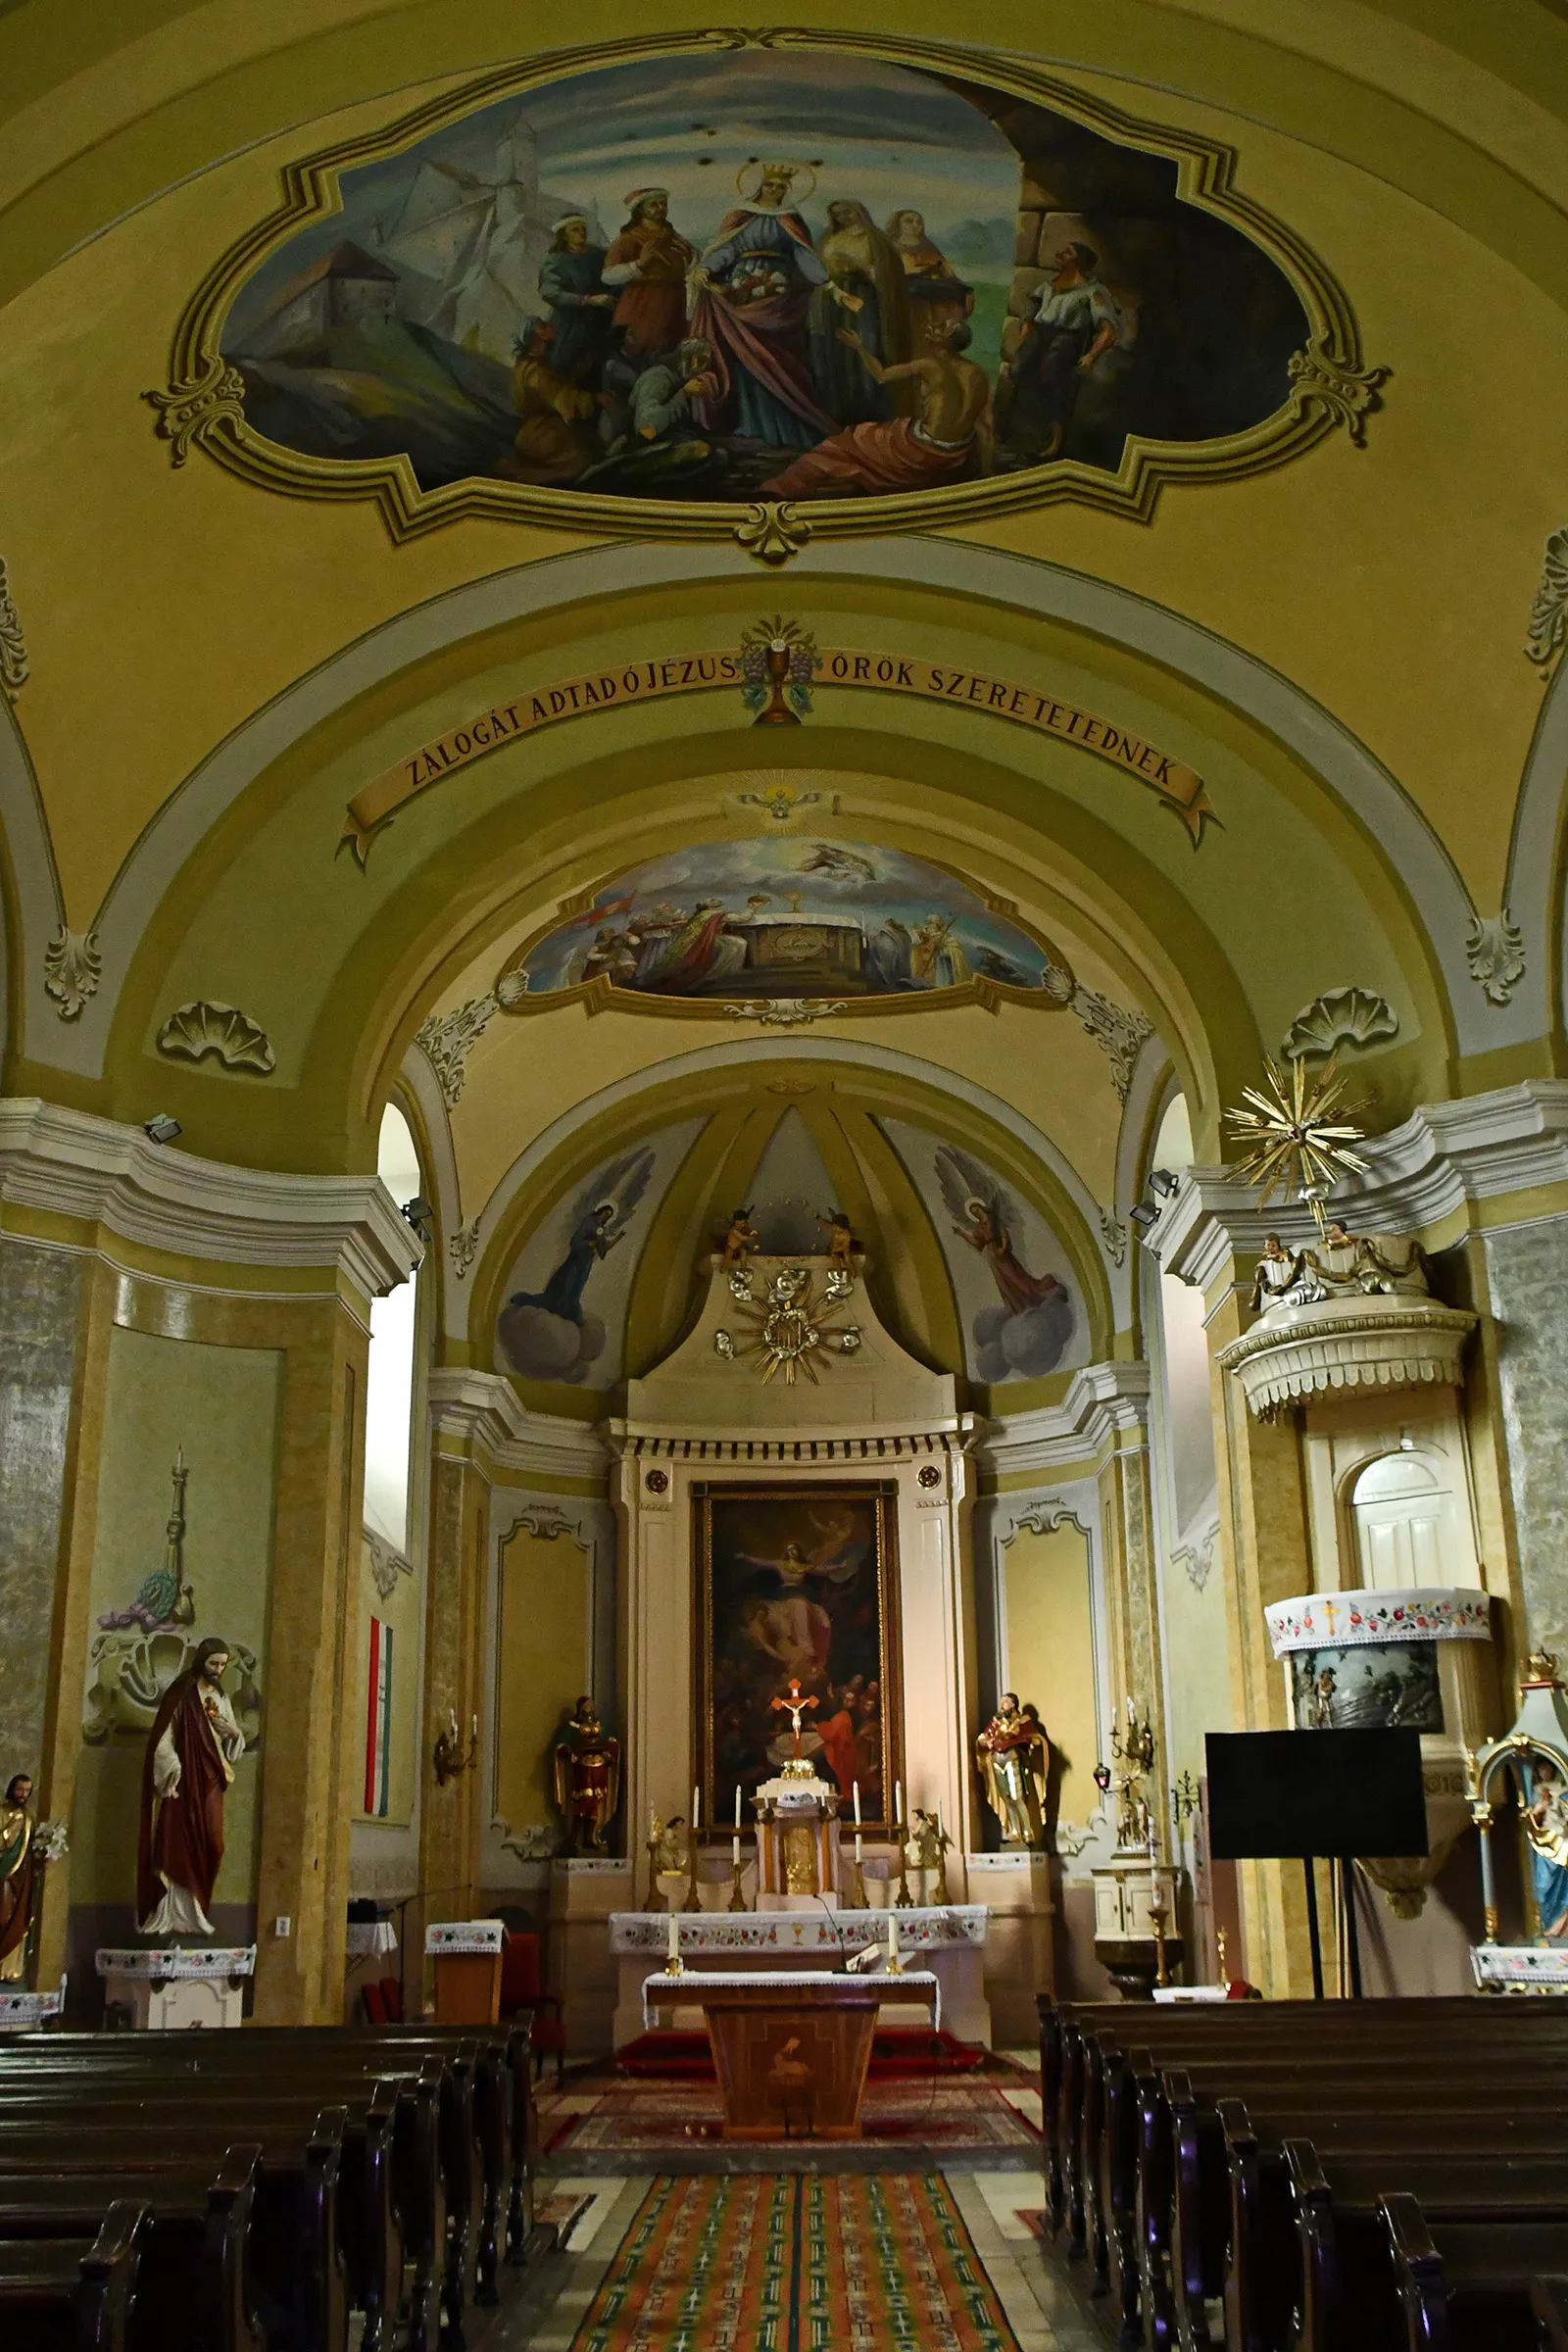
(1276, 1795)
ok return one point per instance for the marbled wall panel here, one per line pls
(1528, 1270)
(41, 1293)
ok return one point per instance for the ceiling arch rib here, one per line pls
(1350, 780)
(106, 113)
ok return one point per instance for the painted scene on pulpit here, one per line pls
(785, 918)
(797, 1582)
(765, 273)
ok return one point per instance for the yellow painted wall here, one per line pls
(542, 1666)
(222, 1405)
(1050, 1652)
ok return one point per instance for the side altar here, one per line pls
(942, 1941)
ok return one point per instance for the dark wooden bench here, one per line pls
(69, 2294)
(462, 2142)
(1155, 2191)
(292, 2245)
(194, 2291)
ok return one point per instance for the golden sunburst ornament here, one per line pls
(1299, 1129)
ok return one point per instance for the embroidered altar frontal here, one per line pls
(802, 2263)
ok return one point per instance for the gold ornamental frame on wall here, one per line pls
(603, 995)
(202, 407)
(883, 1496)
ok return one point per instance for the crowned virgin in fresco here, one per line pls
(762, 275)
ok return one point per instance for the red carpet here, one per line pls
(901, 2054)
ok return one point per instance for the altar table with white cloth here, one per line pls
(945, 1940)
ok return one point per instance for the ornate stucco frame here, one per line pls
(203, 404)
(883, 1495)
(601, 994)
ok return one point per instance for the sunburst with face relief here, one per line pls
(1300, 1131)
(788, 1326)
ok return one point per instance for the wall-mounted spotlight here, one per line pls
(161, 1128)
(1162, 1181)
(420, 1214)
(1142, 1216)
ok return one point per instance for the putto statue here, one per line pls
(1014, 1758)
(1338, 1265)
(191, 1752)
(587, 1777)
(739, 1239)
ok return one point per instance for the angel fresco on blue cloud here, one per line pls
(550, 1334)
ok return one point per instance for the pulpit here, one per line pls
(791, 2047)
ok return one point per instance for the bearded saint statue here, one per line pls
(191, 1752)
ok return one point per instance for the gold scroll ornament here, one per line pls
(1180, 787)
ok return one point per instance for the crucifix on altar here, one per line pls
(795, 1707)
(797, 1821)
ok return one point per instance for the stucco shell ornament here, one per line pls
(1340, 1016)
(222, 1030)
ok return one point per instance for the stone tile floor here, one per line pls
(1039, 2304)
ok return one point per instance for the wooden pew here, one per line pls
(452, 2150)
(71, 2294)
(292, 2248)
(395, 2160)
(194, 2288)
(1108, 2121)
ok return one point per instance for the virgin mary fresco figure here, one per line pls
(751, 294)
(549, 1334)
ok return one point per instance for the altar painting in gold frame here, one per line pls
(802, 1581)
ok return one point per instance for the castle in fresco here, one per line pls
(793, 276)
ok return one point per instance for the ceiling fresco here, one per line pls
(822, 920)
(773, 275)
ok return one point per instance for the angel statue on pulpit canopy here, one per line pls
(1014, 1758)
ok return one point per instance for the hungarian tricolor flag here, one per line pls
(378, 1719)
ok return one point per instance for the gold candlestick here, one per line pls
(656, 1900)
(737, 1897)
(1157, 1916)
(903, 1900)
(691, 1900)
(860, 1900)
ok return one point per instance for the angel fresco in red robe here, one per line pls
(189, 1768)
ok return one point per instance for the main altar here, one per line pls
(791, 1492)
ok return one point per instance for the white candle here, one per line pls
(893, 1936)
(697, 1813)
(674, 1936)
(452, 1724)
(476, 1727)
(653, 1825)
(737, 1804)
(858, 1858)
(735, 1850)
(857, 1804)
(939, 1821)
(898, 1800)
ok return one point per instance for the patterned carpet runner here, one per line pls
(797, 2263)
(959, 2116)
